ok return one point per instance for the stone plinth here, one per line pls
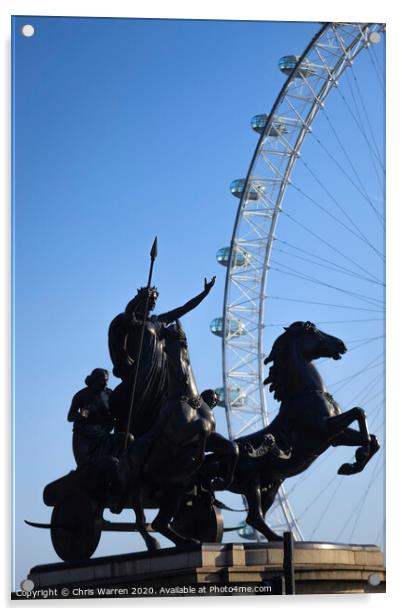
(319, 567)
(323, 567)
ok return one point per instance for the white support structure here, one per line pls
(329, 54)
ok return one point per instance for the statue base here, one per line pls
(221, 569)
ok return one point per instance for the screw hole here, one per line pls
(28, 30)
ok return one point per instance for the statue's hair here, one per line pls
(141, 294)
(176, 331)
(143, 291)
(95, 374)
(274, 379)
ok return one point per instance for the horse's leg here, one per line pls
(337, 424)
(194, 439)
(130, 465)
(268, 494)
(349, 438)
(228, 453)
(186, 431)
(151, 543)
(255, 515)
(169, 505)
(352, 438)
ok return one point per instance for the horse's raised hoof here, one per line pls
(374, 445)
(363, 455)
(350, 469)
(346, 469)
(372, 449)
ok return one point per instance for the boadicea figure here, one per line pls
(93, 421)
(125, 333)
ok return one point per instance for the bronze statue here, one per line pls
(124, 343)
(93, 421)
(176, 460)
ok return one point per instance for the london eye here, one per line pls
(308, 244)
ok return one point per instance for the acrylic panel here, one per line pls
(254, 151)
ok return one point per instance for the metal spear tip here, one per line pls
(154, 249)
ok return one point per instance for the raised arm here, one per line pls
(177, 313)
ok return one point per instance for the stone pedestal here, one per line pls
(323, 567)
(319, 568)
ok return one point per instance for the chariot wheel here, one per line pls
(308, 244)
(76, 527)
(199, 520)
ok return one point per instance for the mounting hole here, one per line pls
(374, 579)
(28, 30)
(27, 585)
(374, 37)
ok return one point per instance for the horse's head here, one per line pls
(175, 339)
(180, 374)
(301, 339)
(312, 342)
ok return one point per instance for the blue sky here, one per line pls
(123, 130)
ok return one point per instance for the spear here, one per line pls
(153, 254)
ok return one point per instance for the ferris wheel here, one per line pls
(307, 242)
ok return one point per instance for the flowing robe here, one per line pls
(151, 387)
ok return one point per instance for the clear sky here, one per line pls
(127, 129)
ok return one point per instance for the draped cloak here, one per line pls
(151, 387)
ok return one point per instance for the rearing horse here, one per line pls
(309, 421)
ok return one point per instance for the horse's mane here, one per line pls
(280, 350)
(174, 333)
(275, 377)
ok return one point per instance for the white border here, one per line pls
(307, 10)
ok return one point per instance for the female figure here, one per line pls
(92, 419)
(124, 338)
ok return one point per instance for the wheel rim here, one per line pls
(76, 527)
(197, 519)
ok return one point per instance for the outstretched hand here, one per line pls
(208, 285)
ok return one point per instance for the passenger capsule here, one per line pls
(235, 327)
(247, 532)
(277, 128)
(237, 189)
(287, 64)
(240, 259)
(237, 396)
